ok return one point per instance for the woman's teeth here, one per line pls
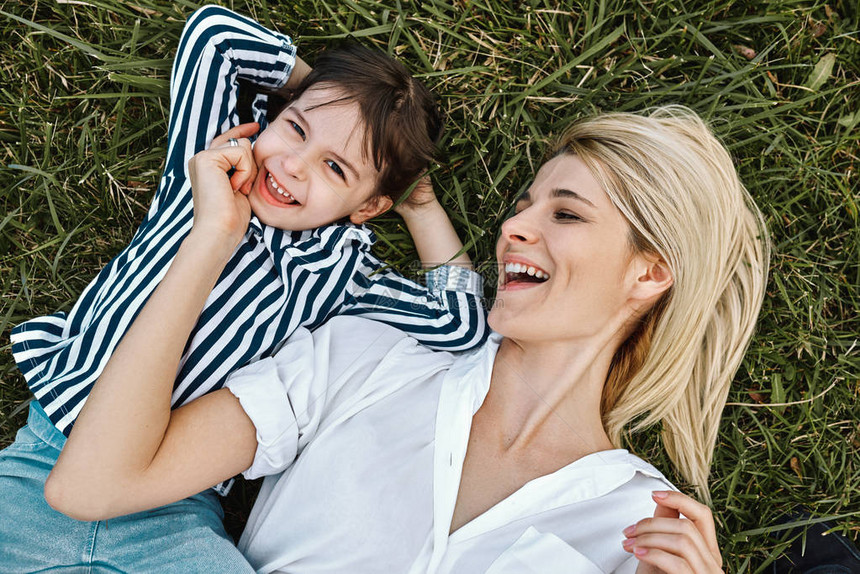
(280, 191)
(527, 269)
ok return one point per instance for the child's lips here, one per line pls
(276, 194)
(278, 191)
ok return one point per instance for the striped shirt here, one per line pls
(275, 282)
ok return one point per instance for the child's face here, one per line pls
(312, 168)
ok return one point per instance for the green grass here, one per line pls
(83, 100)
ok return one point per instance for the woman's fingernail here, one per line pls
(627, 543)
(640, 551)
(630, 530)
(660, 494)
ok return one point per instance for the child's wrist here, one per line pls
(215, 244)
(412, 211)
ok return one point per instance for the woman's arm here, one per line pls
(127, 451)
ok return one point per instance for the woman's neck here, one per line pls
(547, 395)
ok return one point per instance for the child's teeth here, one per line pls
(279, 190)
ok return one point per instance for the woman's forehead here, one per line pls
(567, 176)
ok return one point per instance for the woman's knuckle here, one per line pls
(687, 546)
(688, 528)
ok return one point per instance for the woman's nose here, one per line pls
(519, 229)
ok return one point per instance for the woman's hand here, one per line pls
(220, 203)
(669, 543)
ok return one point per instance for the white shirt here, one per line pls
(362, 433)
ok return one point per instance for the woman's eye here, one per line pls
(298, 129)
(336, 168)
(566, 216)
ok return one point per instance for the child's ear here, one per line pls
(371, 208)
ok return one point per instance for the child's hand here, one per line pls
(422, 197)
(669, 543)
(220, 206)
(435, 238)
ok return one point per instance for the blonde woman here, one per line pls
(631, 275)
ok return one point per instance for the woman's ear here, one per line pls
(371, 208)
(653, 277)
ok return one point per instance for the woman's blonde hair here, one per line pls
(678, 188)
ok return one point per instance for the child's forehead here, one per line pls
(327, 98)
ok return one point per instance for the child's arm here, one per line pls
(217, 49)
(300, 70)
(447, 313)
(435, 239)
(62, 357)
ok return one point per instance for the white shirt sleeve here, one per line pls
(628, 567)
(289, 395)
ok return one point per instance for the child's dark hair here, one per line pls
(402, 120)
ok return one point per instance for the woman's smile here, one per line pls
(567, 244)
(519, 273)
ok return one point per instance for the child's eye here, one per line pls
(298, 129)
(336, 168)
(566, 216)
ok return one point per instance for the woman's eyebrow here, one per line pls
(566, 193)
(558, 192)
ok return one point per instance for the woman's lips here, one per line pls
(518, 275)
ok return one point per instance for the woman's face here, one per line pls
(565, 265)
(312, 168)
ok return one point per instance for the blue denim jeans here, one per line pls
(184, 537)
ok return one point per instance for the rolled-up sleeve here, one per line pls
(289, 396)
(284, 396)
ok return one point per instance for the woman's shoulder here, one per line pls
(375, 340)
(620, 468)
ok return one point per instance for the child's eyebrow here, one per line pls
(340, 159)
(348, 165)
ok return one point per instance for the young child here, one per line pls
(357, 133)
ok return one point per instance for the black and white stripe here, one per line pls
(276, 280)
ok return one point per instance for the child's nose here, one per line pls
(295, 165)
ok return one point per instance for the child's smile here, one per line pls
(275, 194)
